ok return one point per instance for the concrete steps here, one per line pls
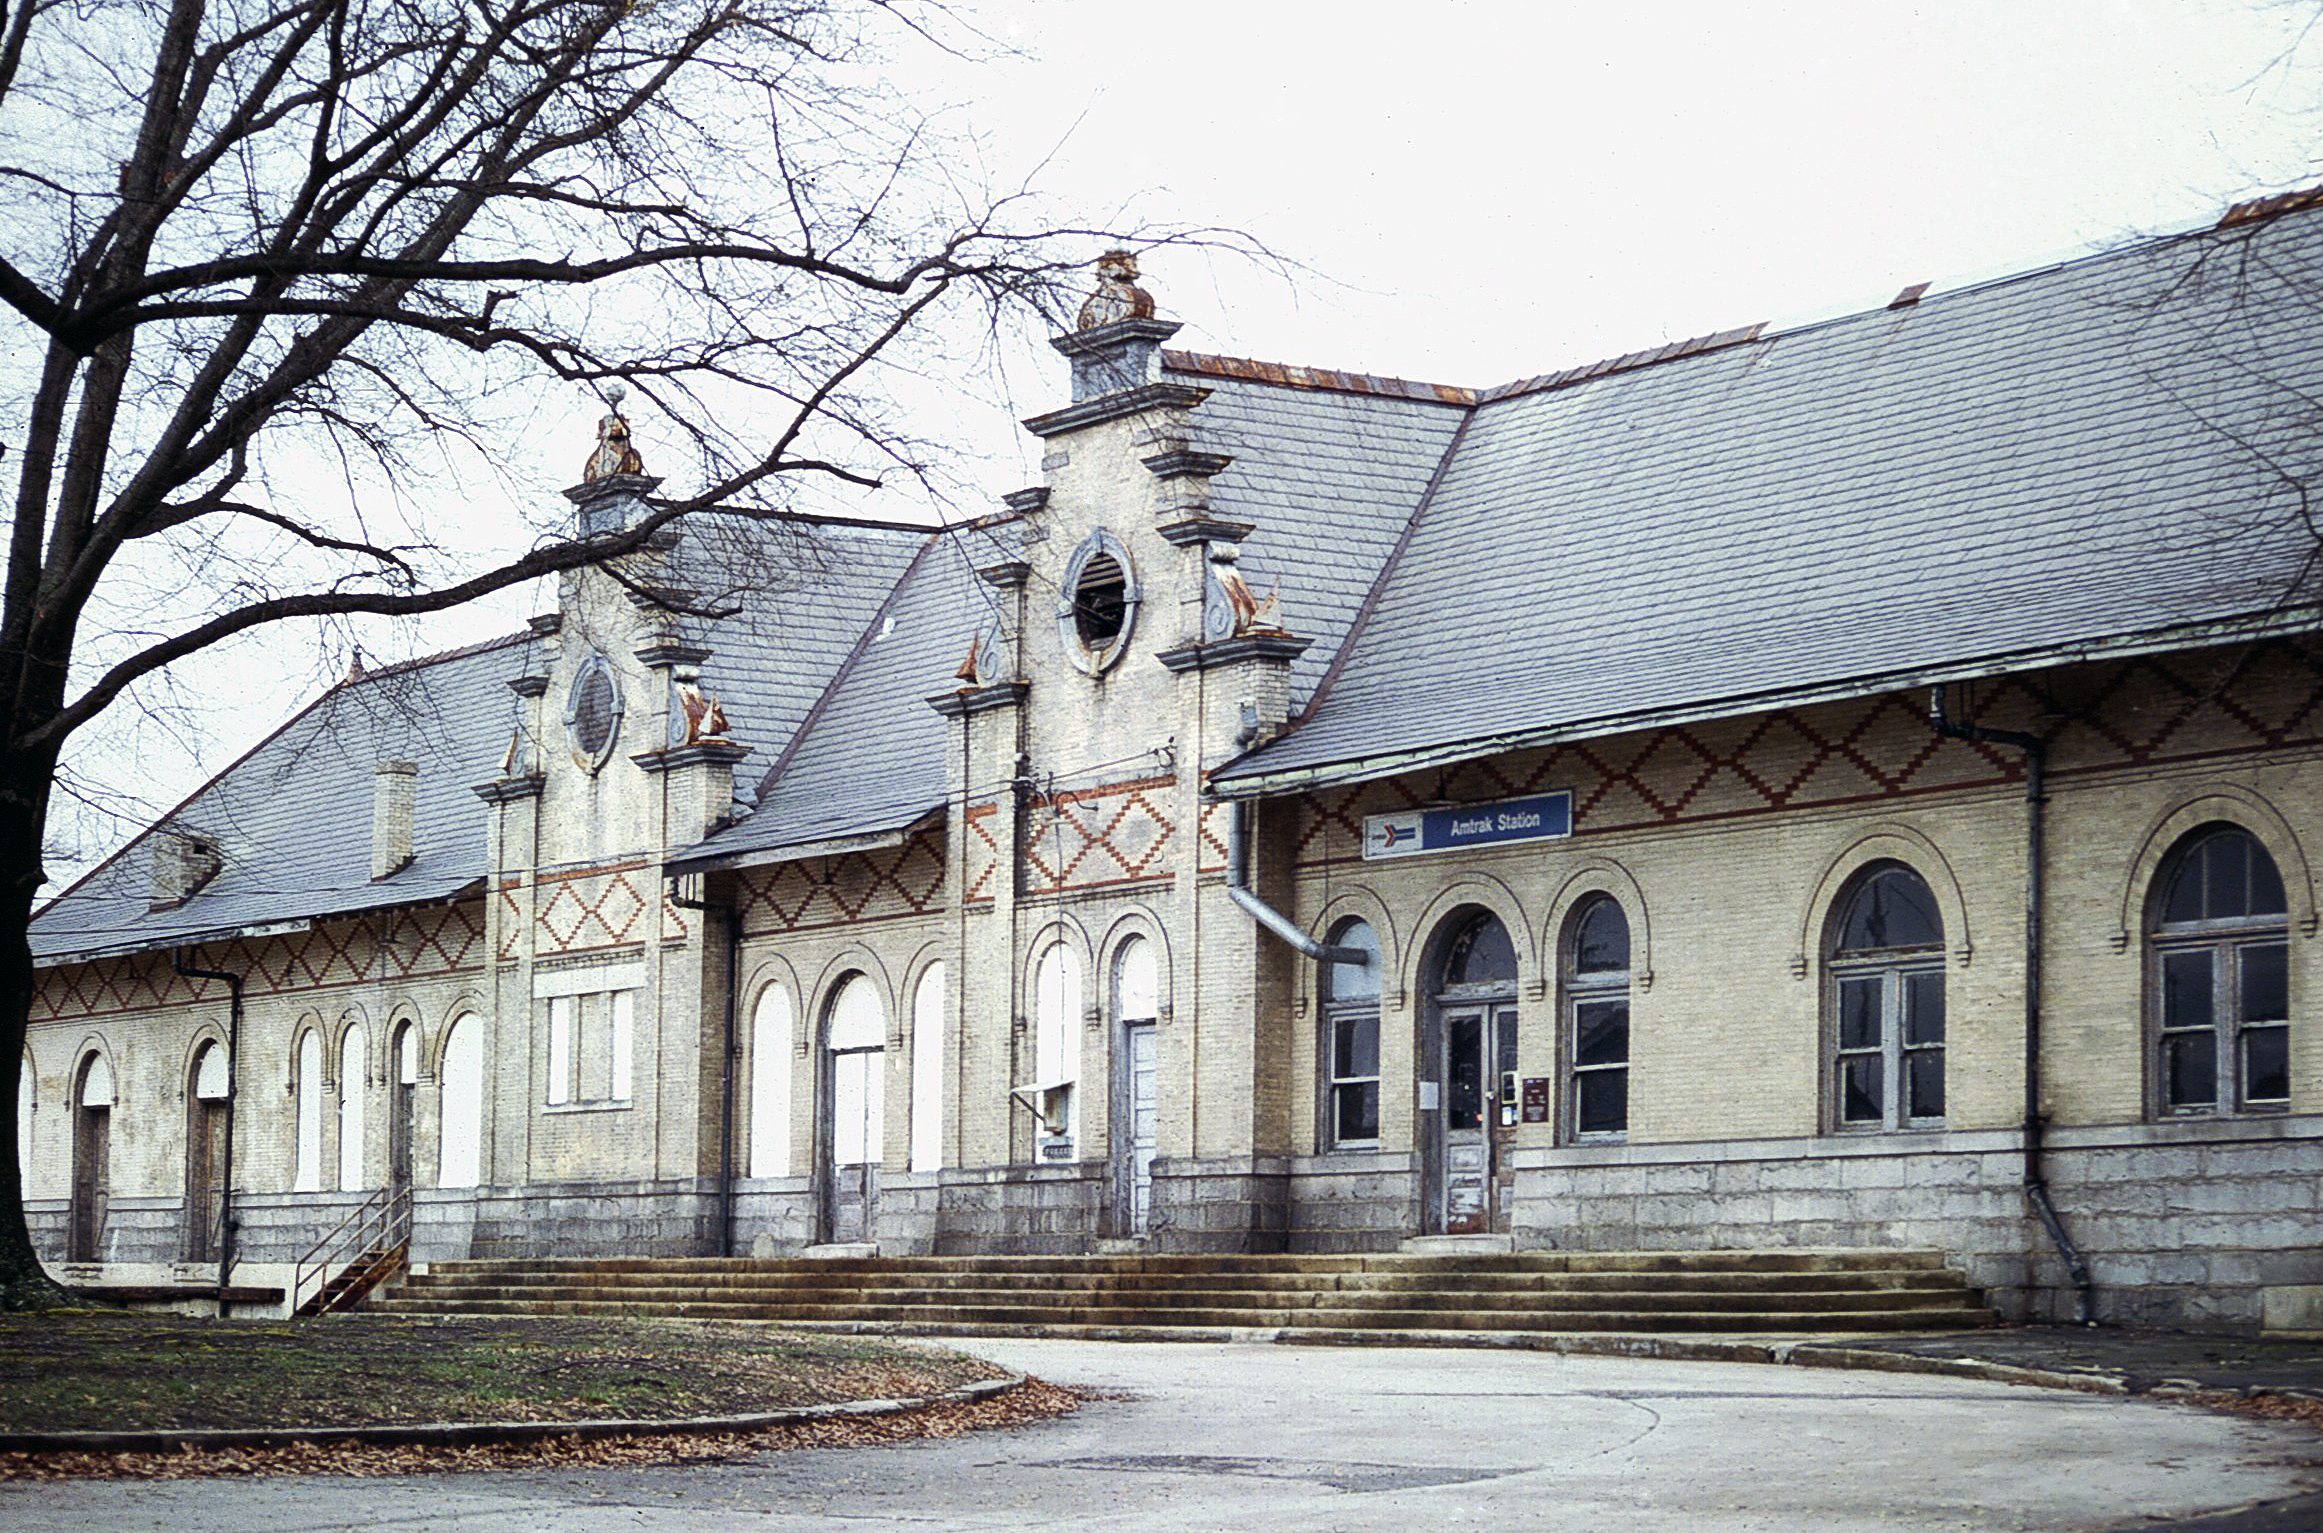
(1529, 1291)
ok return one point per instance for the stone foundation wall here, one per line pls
(1024, 1210)
(2182, 1224)
(1222, 1203)
(1352, 1202)
(663, 1218)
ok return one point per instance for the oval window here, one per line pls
(593, 712)
(1100, 602)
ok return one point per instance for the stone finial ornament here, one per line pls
(705, 720)
(971, 669)
(614, 454)
(1252, 614)
(1118, 297)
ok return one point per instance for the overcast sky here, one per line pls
(1479, 192)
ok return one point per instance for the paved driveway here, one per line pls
(1228, 1437)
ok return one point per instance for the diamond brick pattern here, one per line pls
(983, 852)
(419, 944)
(2116, 713)
(1095, 836)
(590, 910)
(882, 884)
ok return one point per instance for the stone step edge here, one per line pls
(1714, 1322)
(463, 1434)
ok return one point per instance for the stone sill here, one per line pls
(565, 1109)
(2272, 1128)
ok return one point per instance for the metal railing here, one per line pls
(378, 1224)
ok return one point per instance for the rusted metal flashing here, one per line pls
(1322, 379)
(2259, 209)
(1629, 362)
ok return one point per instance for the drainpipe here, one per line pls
(2036, 1182)
(733, 923)
(1238, 890)
(177, 961)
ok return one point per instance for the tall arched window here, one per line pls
(352, 1068)
(2219, 974)
(770, 1045)
(1596, 982)
(854, 1108)
(307, 1162)
(27, 1102)
(1057, 1025)
(927, 1070)
(460, 1123)
(206, 1128)
(1350, 1017)
(1886, 998)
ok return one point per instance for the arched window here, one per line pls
(927, 1070)
(1057, 1029)
(1480, 954)
(1596, 982)
(2219, 974)
(460, 1124)
(770, 1045)
(307, 1162)
(1886, 1000)
(352, 1067)
(402, 1103)
(1136, 1100)
(1350, 1017)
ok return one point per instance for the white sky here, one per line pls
(1479, 192)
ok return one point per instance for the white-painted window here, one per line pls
(352, 1068)
(307, 1162)
(623, 1028)
(770, 1046)
(560, 1049)
(1057, 1030)
(927, 1071)
(460, 1138)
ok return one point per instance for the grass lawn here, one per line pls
(87, 1370)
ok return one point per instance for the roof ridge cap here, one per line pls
(1291, 375)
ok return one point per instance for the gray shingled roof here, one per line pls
(2060, 459)
(281, 814)
(1330, 479)
(871, 758)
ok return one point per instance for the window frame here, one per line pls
(1332, 1013)
(1892, 969)
(2225, 941)
(1594, 987)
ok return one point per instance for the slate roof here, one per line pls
(280, 813)
(807, 586)
(2002, 475)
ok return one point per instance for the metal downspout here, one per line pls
(1238, 890)
(2036, 1182)
(233, 1087)
(732, 921)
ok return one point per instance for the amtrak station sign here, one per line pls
(1417, 832)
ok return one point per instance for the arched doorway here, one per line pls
(92, 1100)
(1136, 1026)
(460, 1118)
(402, 1099)
(207, 1125)
(1468, 1065)
(853, 1128)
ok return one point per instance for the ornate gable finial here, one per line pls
(614, 454)
(1118, 297)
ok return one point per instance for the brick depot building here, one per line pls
(1598, 812)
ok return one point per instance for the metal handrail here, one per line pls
(373, 1224)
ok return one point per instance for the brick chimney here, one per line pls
(394, 791)
(183, 861)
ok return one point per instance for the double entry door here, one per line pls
(1478, 1071)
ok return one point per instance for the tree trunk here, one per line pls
(23, 795)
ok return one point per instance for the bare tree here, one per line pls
(250, 246)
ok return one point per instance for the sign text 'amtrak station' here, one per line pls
(1417, 832)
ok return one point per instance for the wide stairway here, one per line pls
(1529, 1291)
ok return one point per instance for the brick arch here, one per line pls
(1884, 843)
(2213, 804)
(1600, 875)
(1136, 921)
(1486, 893)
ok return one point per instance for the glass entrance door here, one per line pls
(1480, 1112)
